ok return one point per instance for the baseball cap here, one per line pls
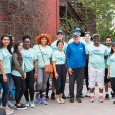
(96, 35)
(59, 31)
(77, 29)
(76, 34)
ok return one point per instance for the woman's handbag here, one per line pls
(49, 67)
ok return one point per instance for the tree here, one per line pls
(104, 15)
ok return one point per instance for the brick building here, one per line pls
(29, 17)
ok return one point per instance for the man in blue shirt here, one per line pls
(75, 59)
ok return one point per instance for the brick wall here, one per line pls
(49, 25)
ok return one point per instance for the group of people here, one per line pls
(81, 58)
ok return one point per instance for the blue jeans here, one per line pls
(5, 86)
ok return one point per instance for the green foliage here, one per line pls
(104, 11)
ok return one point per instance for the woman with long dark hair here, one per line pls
(18, 74)
(5, 69)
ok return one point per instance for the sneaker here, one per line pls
(32, 105)
(92, 99)
(43, 101)
(38, 100)
(9, 111)
(21, 107)
(53, 95)
(27, 104)
(9, 104)
(113, 95)
(58, 101)
(113, 102)
(87, 94)
(101, 99)
(107, 96)
(62, 100)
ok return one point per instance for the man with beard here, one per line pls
(108, 41)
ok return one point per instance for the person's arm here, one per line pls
(3, 73)
(36, 69)
(55, 72)
(108, 75)
(68, 53)
(17, 65)
(84, 55)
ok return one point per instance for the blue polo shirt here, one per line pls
(75, 55)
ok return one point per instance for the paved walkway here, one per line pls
(85, 108)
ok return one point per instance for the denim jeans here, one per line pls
(5, 86)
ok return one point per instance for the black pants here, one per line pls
(30, 85)
(112, 81)
(78, 76)
(60, 82)
(20, 87)
(47, 90)
(86, 75)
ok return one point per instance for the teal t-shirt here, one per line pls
(111, 62)
(47, 54)
(89, 43)
(81, 40)
(59, 57)
(96, 55)
(28, 57)
(6, 59)
(108, 53)
(54, 46)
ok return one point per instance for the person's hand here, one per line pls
(4, 78)
(56, 76)
(35, 75)
(108, 76)
(67, 74)
(70, 71)
(24, 75)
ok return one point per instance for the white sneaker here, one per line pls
(9, 104)
(32, 105)
(62, 100)
(58, 101)
(27, 104)
(87, 94)
(101, 99)
(9, 111)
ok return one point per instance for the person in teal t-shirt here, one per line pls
(87, 38)
(60, 71)
(111, 68)
(59, 35)
(96, 66)
(18, 74)
(30, 67)
(108, 41)
(5, 70)
(44, 54)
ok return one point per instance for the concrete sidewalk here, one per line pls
(85, 108)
